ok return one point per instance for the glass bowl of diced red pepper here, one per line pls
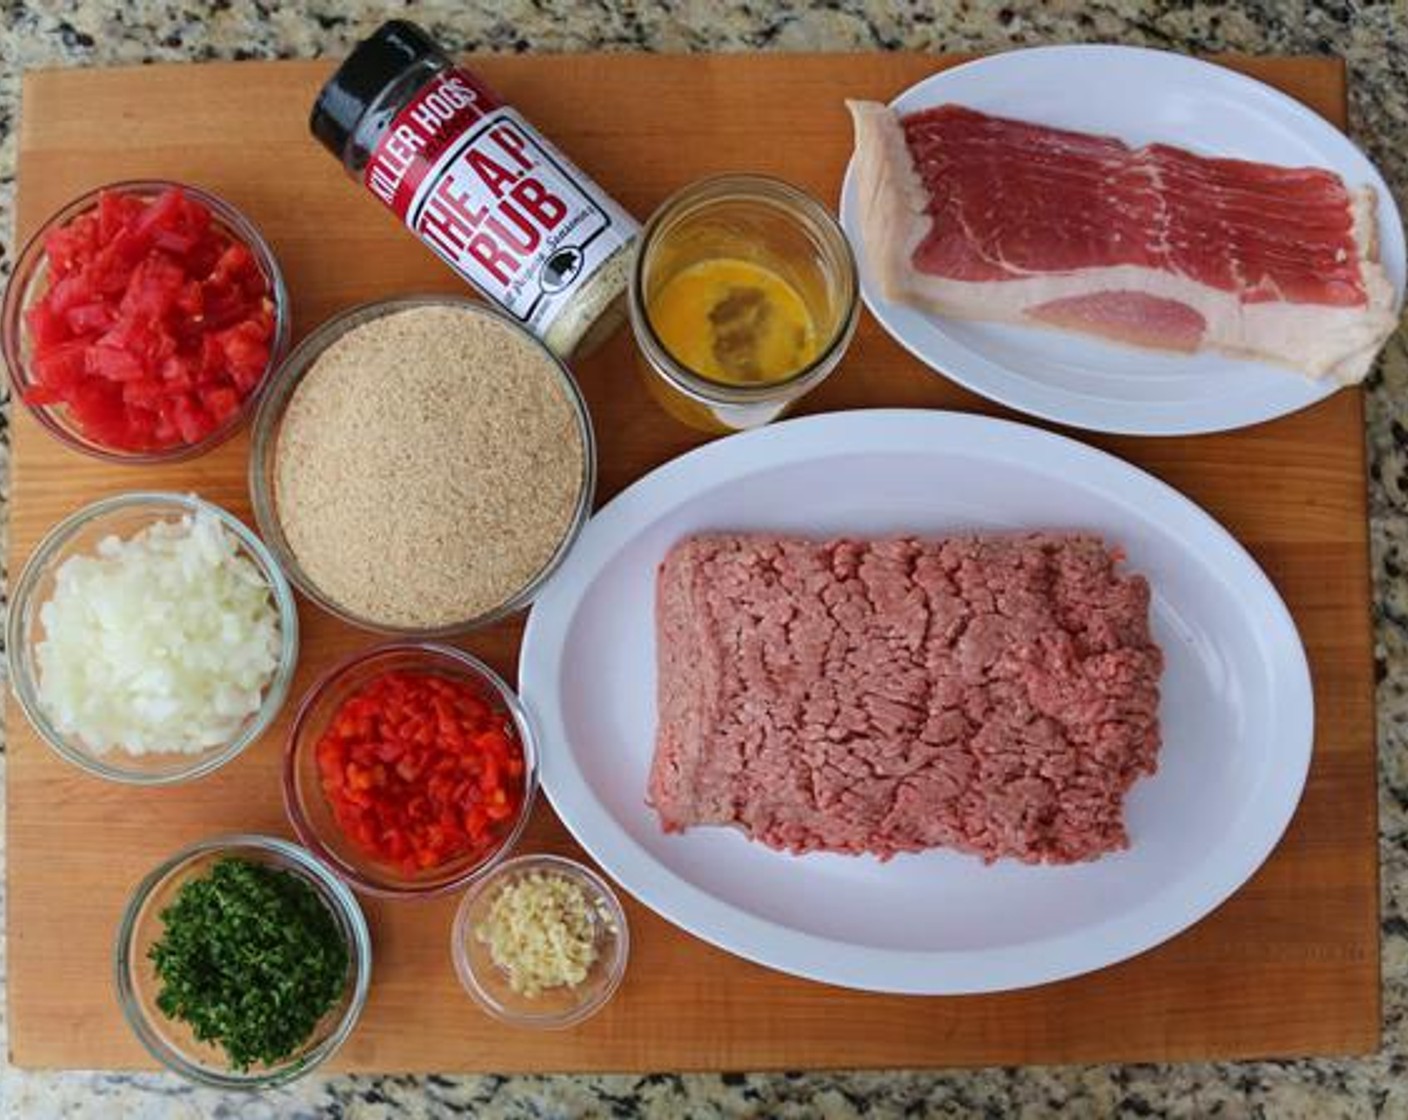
(411, 769)
(142, 321)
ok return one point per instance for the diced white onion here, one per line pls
(164, 642)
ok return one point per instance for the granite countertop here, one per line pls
(1371, 36)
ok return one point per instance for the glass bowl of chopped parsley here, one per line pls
(242, 962)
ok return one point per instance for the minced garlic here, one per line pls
(541, 930)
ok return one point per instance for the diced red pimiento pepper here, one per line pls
(157, 324)
(420, 770)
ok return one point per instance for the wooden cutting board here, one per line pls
(1289, 966)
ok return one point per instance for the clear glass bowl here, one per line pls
(262, 462)
(30, 280)
(554, 1008)
(172, 1042)
(308, 808)
(78, 534)
(767, 222)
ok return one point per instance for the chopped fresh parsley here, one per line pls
(251, 959)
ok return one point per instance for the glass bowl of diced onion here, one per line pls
(154, 663)
(541, 942)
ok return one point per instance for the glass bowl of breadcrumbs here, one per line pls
(422, 465)
(540, 942)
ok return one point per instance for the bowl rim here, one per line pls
(13, 305)
(461, 662)
(573, 869)
(268, 420)
(23, 674)
(331, 890)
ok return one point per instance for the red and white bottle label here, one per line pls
(494, 199)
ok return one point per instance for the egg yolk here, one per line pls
(735, 322)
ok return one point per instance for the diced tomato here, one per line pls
(128, 334)
(153, 287)
(190, 418)
(164, 432)
(90, 318)
(174, 241)
(419, 770)
(97, 406)
(61, 366)
(190, 303)
(70, 247)
(197, 217)
(113, 364)
(70, 292)
(223, 303)
(145, 394)
(156, 327)
(221, 404)
(39, 395)
(200, 261)
(115, 213)
(46, 326)
(234, 265)
(246, 354)
(166, 211)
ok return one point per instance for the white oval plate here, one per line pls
(1236, 708)
(1139, 96)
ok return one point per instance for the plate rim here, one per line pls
(1117, 418)
(867, 968)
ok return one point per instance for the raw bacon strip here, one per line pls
(981, 217)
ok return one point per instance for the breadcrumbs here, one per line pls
(541, 930)
(428, 467)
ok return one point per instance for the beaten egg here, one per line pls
(734, 321)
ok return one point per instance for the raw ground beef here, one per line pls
(997, 695)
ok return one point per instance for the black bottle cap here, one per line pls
(373, 65)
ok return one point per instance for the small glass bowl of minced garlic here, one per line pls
(743, 298)
(541, 942)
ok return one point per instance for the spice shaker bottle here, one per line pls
(480, 186)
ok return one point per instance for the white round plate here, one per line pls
(1236, 708)
(1139, 96)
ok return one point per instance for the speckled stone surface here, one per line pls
(1372, 37)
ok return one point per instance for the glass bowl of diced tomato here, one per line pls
(411, 769)
(142, 321)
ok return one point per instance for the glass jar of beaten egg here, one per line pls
(743, 298)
